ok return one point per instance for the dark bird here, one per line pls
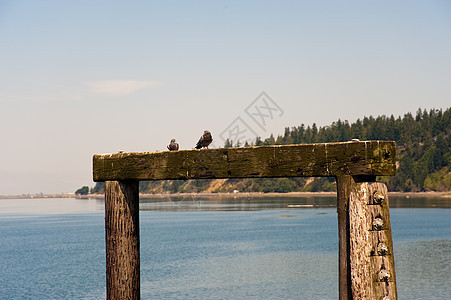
(173, 145)
(204, 140)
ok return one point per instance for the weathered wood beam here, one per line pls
(326, 159)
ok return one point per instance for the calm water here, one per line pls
(250, 248)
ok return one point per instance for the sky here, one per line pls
(79, 78)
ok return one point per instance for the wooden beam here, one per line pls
(326, 159)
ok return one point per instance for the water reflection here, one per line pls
(49, 206)
(196, 202)
(419, 202)
(192, 202)
(231, 203)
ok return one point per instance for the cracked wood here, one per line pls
(304, 160)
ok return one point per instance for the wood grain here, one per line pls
(122, 240)
(326, 159)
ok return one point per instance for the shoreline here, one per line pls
(228, 195)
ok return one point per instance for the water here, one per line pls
(192, 248)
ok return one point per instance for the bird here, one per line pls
(204, 140)
(173, 145)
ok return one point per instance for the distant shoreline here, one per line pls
(228, 195)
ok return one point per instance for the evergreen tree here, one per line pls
(228, 144)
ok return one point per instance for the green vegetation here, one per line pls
(423, 156)
(82, 191)
(99, 188)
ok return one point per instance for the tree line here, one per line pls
(423, 155)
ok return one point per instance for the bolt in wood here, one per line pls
(384, 275)
(378, 224)
(378, 197)
(382, 249)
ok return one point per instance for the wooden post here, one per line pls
(122, 240)
(365, 248)
(366, 262)
(371, 262)
(344, 278)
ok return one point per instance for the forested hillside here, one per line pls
(423, 155)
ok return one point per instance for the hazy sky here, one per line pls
(85, 77)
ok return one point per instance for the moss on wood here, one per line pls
(305, 160)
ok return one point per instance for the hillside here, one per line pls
(423, 156)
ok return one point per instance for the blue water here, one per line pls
(223, 255)
(54, 249)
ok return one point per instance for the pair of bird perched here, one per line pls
(203, 142)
